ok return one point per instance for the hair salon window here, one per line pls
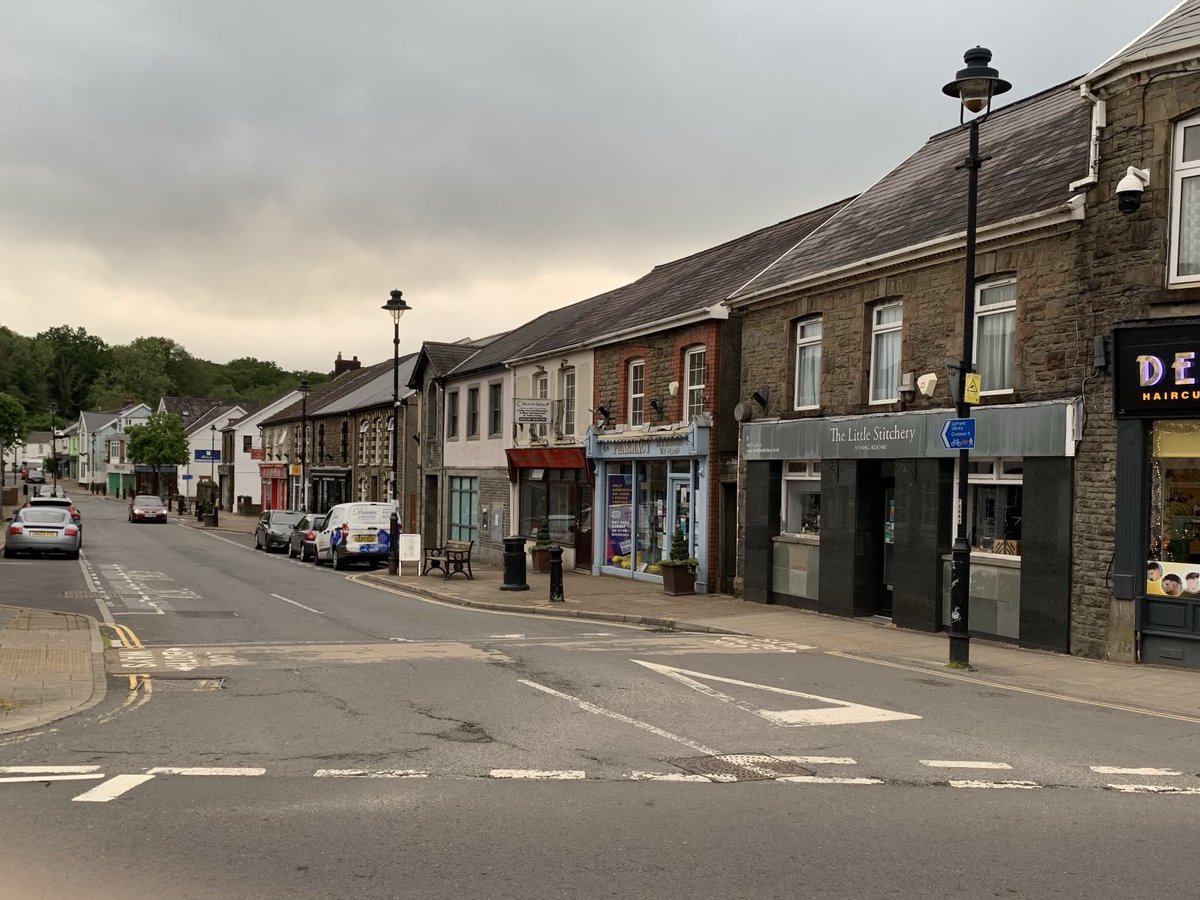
(801, 513)
(1174, 539)
(994, 505)
(886, 320)
(637, 392)
(694, 393)
(995, 334)
(1185, 204)
(808, 364)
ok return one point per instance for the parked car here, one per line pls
(42, 529)
(274, 529)
(145, 508)
(61, 502)
(354, 531)
(303, 542)
(35, 476)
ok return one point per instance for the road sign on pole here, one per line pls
(959, 434)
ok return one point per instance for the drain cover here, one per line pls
(739, 767)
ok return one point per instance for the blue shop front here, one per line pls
(649, 482)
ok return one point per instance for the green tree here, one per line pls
(73, 360)
(160, 442)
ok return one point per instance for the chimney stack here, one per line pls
(345, 365)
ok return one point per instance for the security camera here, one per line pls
(1130, 189)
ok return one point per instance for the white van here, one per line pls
(354, 531)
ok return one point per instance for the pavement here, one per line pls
(51, 664)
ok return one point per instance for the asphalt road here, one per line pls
(277, 730)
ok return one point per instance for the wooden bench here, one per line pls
(452, 559)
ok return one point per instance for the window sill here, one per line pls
(786, 538)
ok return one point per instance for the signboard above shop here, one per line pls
(1156, 372)
(531, 412)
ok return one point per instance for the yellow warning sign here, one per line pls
(971, 387)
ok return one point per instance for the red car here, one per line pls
(144, 508)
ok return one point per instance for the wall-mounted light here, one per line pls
(908, 389)
(539, 370)
(762, 396)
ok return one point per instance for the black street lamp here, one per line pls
(54, 448)
(397, 307)
(212, 455)
(303, 388)
(974, 86)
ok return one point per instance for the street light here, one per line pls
(212, 455)
(974, 86)
(397, 307)
(303, 388)
(54, 448)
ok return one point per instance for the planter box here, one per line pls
(209, 520)
(539, 561)
(678, 580)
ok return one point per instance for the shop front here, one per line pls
(648, 484)
(554, 485)
(1157, 561)
(330, 485)
(855, 516)
(273, 477)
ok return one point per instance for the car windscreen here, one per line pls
(146, 501)
(45, 516)
(50, 501)
(283, 519)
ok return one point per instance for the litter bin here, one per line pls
(514, 565)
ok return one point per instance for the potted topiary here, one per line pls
(541, 548)
(679, 569)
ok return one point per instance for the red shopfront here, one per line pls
(274, 485)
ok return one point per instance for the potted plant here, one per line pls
(541, 548)
(679, 569)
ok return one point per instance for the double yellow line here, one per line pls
(140, 685)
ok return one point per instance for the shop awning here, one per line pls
(547, 458)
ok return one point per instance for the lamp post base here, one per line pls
(394, 546)
(960, 650)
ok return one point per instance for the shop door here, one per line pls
(883, 599)
(583, 527)
(679, 510)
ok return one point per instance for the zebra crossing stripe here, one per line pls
(367, 773)
(539, 774)
(1119, 770)
(997, 785)
(111, 789)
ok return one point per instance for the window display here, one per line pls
(1174, 541)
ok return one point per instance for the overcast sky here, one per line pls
(252, 178)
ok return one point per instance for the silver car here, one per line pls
(42, 529)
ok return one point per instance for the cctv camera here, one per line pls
(1130, 189)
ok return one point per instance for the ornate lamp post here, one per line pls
(303, 388)
(54, 447)
(397, 307)
(974, 86)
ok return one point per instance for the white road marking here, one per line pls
(301, 605)
(1118, 770)
(821, 779)
(95, 587)
(668, 776)
(601, 711)
(820, 760)
(962, 764)
(17, 778)
(512, 636)
(1152, 789)
(33, 770)
(1018, 785)
(113, 788)
(171, 770)
(842, 712)
(540, 774)
(367, 773)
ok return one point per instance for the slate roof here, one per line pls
(94, 421)
(375, 391)
(1178, 30)
(324, 394)
(209, 417)
(671, 290)
(189, 409)
(37, 437)
(1034, 149)
(442, 357)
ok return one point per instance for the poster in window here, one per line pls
(620, 520)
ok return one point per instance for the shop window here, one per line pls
(495, 410)
(994, 498)
(808, 364)
(473, 412)
(567, 422)
(801, 513)
(1174, 566)
(551, 495)
(1185, 204)
(637, 392)
(464, 504)
(885, 352)
(694, 392)
(995, 333)
(452, 416)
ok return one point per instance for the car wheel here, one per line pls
(317, 557)
(9, 554)
(291, 552)
(74, 554)
(257, 545)
(339, 560)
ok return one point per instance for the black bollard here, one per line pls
(514, 565)
(556, 582)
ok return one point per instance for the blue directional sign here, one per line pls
(186, 477)
(208, 455)
(959, 434)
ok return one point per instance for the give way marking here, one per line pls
(835, 712)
